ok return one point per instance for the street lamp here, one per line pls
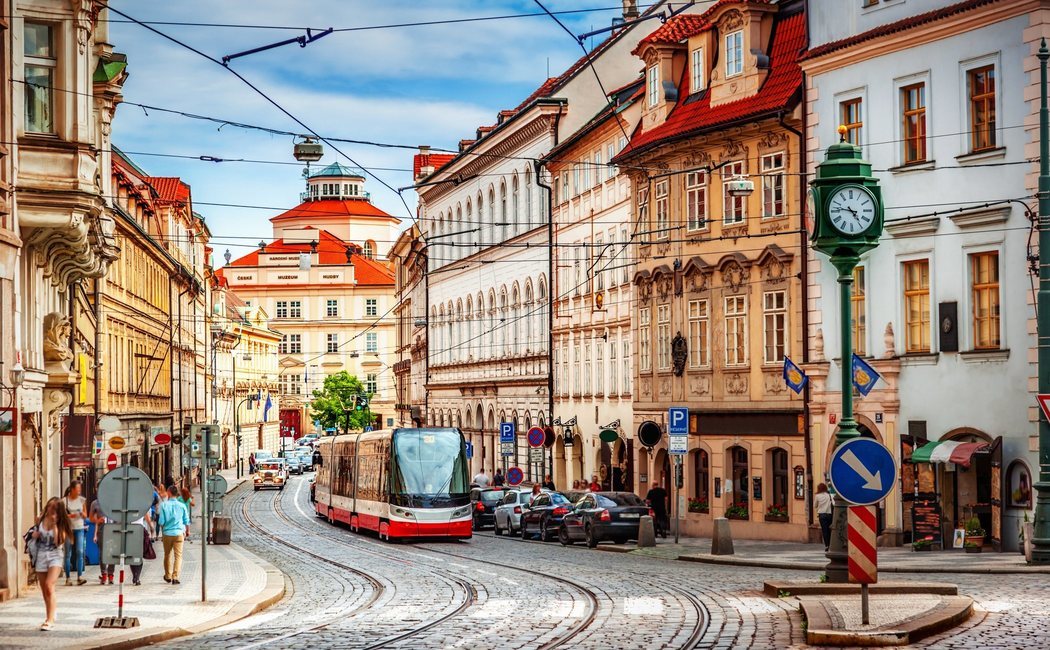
(237, 408)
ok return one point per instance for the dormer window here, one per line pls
(734, 53)
(696, 68)
(653, 85)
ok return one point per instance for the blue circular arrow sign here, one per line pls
(863, 471)
(515, 476)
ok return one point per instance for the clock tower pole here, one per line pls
(843, 170)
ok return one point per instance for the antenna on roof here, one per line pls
(548, 67)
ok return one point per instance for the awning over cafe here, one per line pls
(947, 451)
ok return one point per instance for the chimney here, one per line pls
(423, 159)
(630, 9)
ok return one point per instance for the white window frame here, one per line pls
(371, 307)
(610, 169)
(599, 368)
(734, 49)
(588, 369)
(993, 59)
(613, 369)
(696, 68)
(43, 63)
(576, 370)
(281, 309)
(625, 359)
(735, 206)
(645, 360)
(695, 195)
(699, 333)
(773, 178)
(295, 309)
(653, 85)
(898, 115)
(331, 308)
(599, 254)
(663, 336)
(966, 305)
(643, 212)
(372, 342)
(736, 314)
(779, 316)
(331, 342)
(662, 193)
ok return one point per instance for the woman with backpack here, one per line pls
(46, 545)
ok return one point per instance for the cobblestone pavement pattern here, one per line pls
(507, 593)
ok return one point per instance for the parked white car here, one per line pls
(508, 512)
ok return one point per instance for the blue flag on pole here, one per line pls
(864, 376)
(266, 408)
(794, 376)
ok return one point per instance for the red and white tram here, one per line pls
(401, 483)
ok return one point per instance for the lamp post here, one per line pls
(237, 409)
(1041, 529)
(846, 203)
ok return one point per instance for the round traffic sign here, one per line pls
(116, 442)
(862, 471)
(125, 494)
(548, 437)
(649, 433)
(111, 462)
(536, 437)
(515, 476)
(162, 438)
(217, 485)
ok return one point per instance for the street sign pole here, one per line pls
(205, 444)
(678, 445)
(1041, 529)
(124, 495)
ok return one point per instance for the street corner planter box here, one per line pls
(706, 511)
(779, 518)
(738, 517)
(922, 549)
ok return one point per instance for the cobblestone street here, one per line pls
(352, 591)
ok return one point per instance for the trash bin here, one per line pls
(91, 552)
(221, 530)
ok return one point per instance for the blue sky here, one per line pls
(410, 85)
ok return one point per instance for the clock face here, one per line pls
(851, 209)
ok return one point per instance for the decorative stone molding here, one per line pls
(774, 383)
(56, 402)
(890, 350)
(700, 384)
(85, 17)
(818, 345)
(734, 276)
(57, 354)
(645, 385)
(71, 246)
(736, 383)
(771, 139)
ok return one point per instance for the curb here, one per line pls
(774, 588)
(273, 592)
(952, 611)
(767, 564)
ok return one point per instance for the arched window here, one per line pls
(527, 313)
(441, 343)
(515, 216)
(541, 313)
(701, 481)
(778, 484)
(482, 233)
(503, 217)
(462, 236)
(528, 198)
(479, 317)
(470, 236)
(739, 502)
(369, 249)
(457, 345)
(468, 314)
(515, 321)
(501, 322)
(491, 324)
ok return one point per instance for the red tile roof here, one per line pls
(331, 251)
(435, 160)
(170, 188)
(781, 91)
(898, 26)
(333, 208)
(675, 30)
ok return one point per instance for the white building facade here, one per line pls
(941, 99)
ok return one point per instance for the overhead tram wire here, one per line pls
(271, 101)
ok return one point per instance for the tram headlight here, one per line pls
(462, 512)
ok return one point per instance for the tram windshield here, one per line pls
(429, 469)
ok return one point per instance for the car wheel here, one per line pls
(544, 533)
(592, 541)
(496, 529)
(563, 536)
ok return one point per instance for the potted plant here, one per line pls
(972, 547)
(699, 505)
(924, 544)
(776, 513)
(737, 511)
(974, 532)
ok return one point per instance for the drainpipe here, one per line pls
(804, 262)
(97, 361)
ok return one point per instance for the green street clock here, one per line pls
(845, 204)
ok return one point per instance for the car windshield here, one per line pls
(491, 496)
(559, 499)
(613, 499)
(430, 468)
(269, 467)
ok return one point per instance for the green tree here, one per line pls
(331, 402)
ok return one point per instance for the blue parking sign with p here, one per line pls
(506, 432)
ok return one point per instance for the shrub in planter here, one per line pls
(699, 505)
(737, 511)
(922, 545)
(776, 513)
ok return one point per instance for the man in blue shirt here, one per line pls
(174, 521)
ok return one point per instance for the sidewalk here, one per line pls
(239, 584)
(791, 555)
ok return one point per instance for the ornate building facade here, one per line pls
(328, 288)
(409, 260)
(718, 295)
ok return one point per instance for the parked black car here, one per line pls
(483, 501)
(601, 516)
(544, 515)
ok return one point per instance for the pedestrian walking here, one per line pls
(174, 521)
(497, 478)
(657, 498)
(76, 507)
(187, 500)
(481, 479)
(97, 517)
(548, 483)
(822, 506)
(45, 542)
(148, 553)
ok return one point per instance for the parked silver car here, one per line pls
(508, 512)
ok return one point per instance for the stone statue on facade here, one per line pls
(56, 341)
(888, 339)
(818, 345)
(679, 353)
